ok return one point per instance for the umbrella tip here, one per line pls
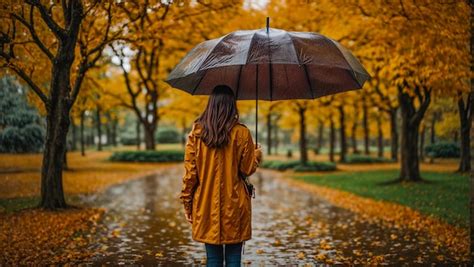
(268, 24)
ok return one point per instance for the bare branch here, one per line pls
(26, 78)
(48, 19)
(423, 105)
(31, 28)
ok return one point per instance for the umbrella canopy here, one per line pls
(269, 64)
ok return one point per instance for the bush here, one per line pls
(443, 150)
(315, 166)
(128, 141)
(21, 140)
(280, 165)
(148, 156)
(168, 136)
(356, 159)
(297, 166)
(34, 136)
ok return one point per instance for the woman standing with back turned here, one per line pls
(219, 150)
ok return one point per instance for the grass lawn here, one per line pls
(446, 195)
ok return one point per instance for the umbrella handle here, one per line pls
(256, 106)
(256, 116)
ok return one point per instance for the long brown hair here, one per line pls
(219, 117)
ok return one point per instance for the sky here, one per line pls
(255, 4)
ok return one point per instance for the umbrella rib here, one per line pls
(308, 80)
(238, 82)
(270, 66)
(250, 48)
(197, 85)
(304, 67)
(213, 49)
(329, 40)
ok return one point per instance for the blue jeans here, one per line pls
(215, 255)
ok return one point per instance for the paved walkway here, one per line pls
(144, 224)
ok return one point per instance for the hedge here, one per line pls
(297, 166)
(355, 159)
(148, 156)
(20, 140)
(315, 166)
(443, 150)
(168, 136)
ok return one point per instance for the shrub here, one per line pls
(355, 159)
(443, 150)
(34, 136)
(148, 156)
(280, 165)
(128, 140)
(315, 166)
(21, 140)
(297, 166)
(168, 136)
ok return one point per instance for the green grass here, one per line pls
(19, 203)
(148, 156)
(446, 195)
(9, 205)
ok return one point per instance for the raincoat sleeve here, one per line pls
(190, 178)
(251, 157)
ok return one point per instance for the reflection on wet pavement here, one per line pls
(144, 224)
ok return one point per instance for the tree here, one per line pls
(269, 110)
(425, 46)
(154, 34)
(355, 124)
(465, 119)
(52, 33)
(301, 107)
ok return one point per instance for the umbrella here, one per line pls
(269, 64)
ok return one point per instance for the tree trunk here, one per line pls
(99, 129)
(83, 145)
(342, 132)
(393, 135)
(65, 165)
(365, 123)
(432, 130)
(114, 132)
(422, 143)
(269, 133)
(52, 194)
(57, 126)
(332, 139)
(467, 155)
(380, 138)
(276, 140)
(183, 133)
(149, 136)
(319, 144)
(355, 150)
(108, 132)
(411, 119)
(410, 170)
(303, 148)
(139, 140)
(465, 117)
(74, 136)
(91, 141)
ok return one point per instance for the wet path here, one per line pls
(144, 224)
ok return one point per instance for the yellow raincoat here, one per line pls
(212, 190)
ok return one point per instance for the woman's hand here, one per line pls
(189, 218)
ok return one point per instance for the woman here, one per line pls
(219, 151)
